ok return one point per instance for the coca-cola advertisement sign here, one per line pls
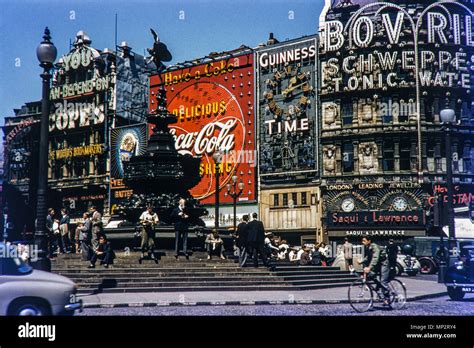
(213, 103)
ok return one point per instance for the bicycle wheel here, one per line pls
(360, 296)
(398, 294)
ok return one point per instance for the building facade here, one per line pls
(388, 69)
(288, 137)
(20, 163)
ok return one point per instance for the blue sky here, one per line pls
(208, 25)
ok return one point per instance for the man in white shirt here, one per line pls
(148, 221)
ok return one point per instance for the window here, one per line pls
(294, 198)
(385, 111)
(348, 158)
(430, 160)
(285, 199)
(304, 198)
(347, 114)
(276, 200)
(388, 156)
(405, 154)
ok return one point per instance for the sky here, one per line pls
(190, 28)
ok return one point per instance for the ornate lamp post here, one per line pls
(448, 117)
(217, 161)
(235, 194)
(46, 53)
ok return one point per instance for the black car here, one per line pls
(460, 277)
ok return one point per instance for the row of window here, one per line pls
(297, 199)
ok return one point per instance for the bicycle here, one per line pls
(361, 294)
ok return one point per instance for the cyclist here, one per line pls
(376, 262)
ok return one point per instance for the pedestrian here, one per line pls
(324, 251)
(305, 258)
(83, 236)
(214, 245)
(181, 226)
(52, 237)
(64, 229)
(104, 253)
(256, 239)
(148, 221)
(347, 248)
(392, 254)
(241, 240)
(97, 226)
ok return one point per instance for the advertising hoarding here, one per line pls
(287, 109)
(214, 106)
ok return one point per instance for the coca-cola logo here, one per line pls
(210, 119)
(204, 142)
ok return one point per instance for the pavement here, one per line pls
(418, 288)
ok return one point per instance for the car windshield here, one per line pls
(14, 266)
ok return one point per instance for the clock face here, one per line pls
(400, 204)
(288, 92)
(348, 205)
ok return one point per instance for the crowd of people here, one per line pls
(87, 239)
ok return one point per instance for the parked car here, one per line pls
(460, 277)
(28, 292)
(427, 251)
(407, 264)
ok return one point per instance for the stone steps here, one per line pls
(195, 274)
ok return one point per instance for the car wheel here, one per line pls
(29, 308)
(455, 294)
(399, 270)
(427, 266)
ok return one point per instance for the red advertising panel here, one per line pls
(214, 103)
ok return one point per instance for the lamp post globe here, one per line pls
(46, 53)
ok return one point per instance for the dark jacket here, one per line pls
(256, 232)
(180, 223)
(375, 257)
(49, 223)
(242, 234)
(305, 259)
(107, 249)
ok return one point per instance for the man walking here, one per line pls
(181, 227)
(148, 220)
(256, 239)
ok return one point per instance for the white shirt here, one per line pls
(146, 216)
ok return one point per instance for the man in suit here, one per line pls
(104, 253)
(241, 240)
(181, 227)
(256, 240)
(51, 236)
(96, 220)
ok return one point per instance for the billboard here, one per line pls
(213, 103)
(287, 109)
(125, 142)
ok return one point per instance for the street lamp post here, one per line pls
(235, 194)
(448, 117)
(217, 161)
(46, 53)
